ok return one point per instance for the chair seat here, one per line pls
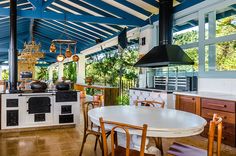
(120, 151)
(178, 149)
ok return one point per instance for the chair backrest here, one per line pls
(150, 103)
(215, 122)
(125, 128)
(86, 107)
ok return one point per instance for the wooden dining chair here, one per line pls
(178, 149)
(89, 128)
(150, 103)
(158, 140)
(118, 150)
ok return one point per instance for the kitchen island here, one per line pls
(205, 104)
(39, 110)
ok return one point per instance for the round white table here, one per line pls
(167, 123)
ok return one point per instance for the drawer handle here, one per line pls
(215, 105)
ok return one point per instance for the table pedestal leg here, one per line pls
(158, 142)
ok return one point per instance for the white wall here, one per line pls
(221, 85)
(81, 69)
(150, 33)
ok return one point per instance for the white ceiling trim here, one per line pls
(81, 8)
(100, 9)
(126, 9)
(75, 29)
(145, 6)
(86, 29)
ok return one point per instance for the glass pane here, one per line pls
(185, 33)
(193, 54)
(226, 21)
(206, 58)
(226, 56)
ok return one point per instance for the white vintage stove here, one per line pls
(27, 110)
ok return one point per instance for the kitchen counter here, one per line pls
(212, 95)
(152, 90)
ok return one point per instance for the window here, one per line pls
(217, 44)
(224, 59)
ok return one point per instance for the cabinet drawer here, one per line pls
(227, 127)
(187, 103)
(228, 106)
(188, 99)
(227, 138)
(226, 116)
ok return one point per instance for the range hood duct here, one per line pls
(165, 54)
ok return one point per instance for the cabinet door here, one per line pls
(187, 103)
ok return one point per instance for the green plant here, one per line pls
(108, 69)
(54, 75)
(42, 73)
(69, 71)
(123, 100)
(5, 74)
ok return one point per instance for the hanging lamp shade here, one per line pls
(60, 57)
(53, 48)
(68, 53)
(75, 58)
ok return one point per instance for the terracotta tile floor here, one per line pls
(67, 142)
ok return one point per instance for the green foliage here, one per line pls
(5, 75)
(186, 37)
(123, 100)
(226, 51)
(55, 75)
(107, 70)
(41, 73)
(69, 71)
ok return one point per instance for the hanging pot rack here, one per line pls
(61, 41)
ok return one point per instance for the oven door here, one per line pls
(37, 110)
(39, 105)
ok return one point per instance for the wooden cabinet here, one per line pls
(188, 103)
(206, 107)
(110, 94)
(225, 109)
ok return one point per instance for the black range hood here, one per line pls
(165, 54)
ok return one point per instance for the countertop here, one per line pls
(31, 92)
(94, 86)
(212, 95)
(151, 90)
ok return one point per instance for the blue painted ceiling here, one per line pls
(84, 21)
